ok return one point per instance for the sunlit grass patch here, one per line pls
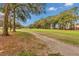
(67, 36)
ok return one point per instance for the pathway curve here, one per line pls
(58, 46)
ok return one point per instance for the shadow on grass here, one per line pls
(24, 44)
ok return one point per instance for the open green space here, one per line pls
(67, 36)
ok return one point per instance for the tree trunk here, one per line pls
(71, 26)
(51, 26)
(10, 24)
(54, 26)
(5, 21)
(59, 26)
(14, 26)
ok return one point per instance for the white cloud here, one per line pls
(68, 4)
(52, 9)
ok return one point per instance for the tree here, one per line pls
(64, 20)
(5, 21)
(23, 11)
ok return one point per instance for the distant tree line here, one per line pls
(64, 20)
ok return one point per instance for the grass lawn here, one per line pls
(24, 43)
(67, 36)
(21, 43)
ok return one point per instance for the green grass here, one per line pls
(23, 34)
(22, 43)
(25, 54)
(67, 36)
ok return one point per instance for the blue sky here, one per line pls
(51, 10)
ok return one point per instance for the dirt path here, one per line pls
(64, 49)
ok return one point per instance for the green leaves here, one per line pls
(24, 11)
(63, 19)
